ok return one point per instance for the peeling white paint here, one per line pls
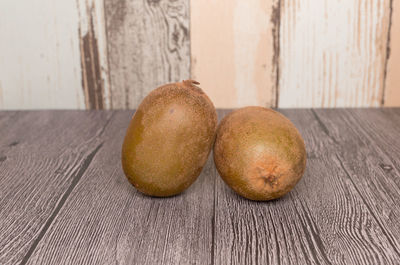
(332, 53)
(94, 9)
(39, 55)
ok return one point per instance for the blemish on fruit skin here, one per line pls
(271, 180)
(171, 111)
(3, 158)
(268, 176)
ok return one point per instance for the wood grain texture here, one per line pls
(326, 219)
(93, 52)
(39, 55)
(65, 200)
(392, 88)
(106, 221)
(379, 130)
(333, 53)
(370, 168)
(232, 51)
(42, 156)
(148, 46)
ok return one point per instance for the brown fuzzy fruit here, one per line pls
(169, 139)
(259, 153)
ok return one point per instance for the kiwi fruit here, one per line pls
(259, 153)
(169, 139)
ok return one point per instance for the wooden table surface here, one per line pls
(65, 200)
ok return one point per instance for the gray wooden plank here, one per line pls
(381, 126)
(371, 156)
(148, 45)
(106, 221)
(324, 220)
(43, 154)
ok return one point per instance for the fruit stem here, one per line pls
(190, 82)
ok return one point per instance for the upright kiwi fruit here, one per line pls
(169, 139)
(259, 153)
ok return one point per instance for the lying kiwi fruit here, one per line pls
(259, 153)
(169, 139)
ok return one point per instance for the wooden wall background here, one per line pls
(108, 54)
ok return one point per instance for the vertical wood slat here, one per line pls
(333, 52)
(93, 53)
(148, 45)
(232, 51)
(241, 52)
(39, 55)
(392, 88)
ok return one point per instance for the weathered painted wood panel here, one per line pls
(106, 221)
(43, 154)
(233, 44)
(148, 45)
(40, 63)
(392, 88)
(102, 54)
(332, 53)
(93, 53)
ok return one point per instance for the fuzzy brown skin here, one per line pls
(169, 139)
(259, 153)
